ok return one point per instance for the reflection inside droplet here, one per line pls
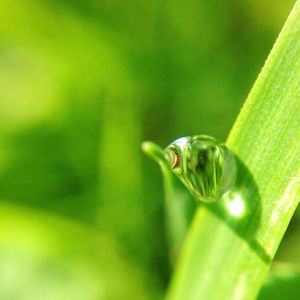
(235, 204)
(172, 158)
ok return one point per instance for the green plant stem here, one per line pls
(227, 254)
(179, 204)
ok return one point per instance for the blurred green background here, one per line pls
(82, 84)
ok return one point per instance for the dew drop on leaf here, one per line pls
(205, 166)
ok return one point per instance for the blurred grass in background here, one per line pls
(82, 84)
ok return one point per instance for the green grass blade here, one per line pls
(230, 245)
(179, 204)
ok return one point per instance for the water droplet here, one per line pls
(205, 166)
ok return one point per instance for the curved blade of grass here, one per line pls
(228, 250)
(179, 205)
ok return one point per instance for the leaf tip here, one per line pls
(154, 151)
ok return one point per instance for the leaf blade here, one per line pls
(227, 259)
